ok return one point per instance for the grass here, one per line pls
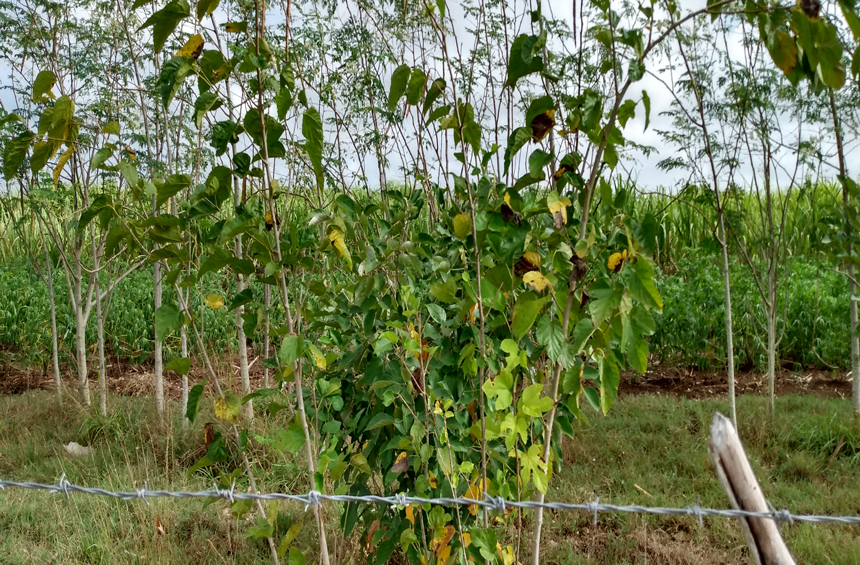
(651, 450)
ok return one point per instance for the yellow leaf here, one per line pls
(475, 492)
(192, 48)
(532, 257)
(61, 162)
(462, 226)
(507, 199)
(559, 205)
(536, 280)
(223, 411)
(616, 260)
(319, 358)
(410, 515)
(336, 238)
(467, 539)
(472, 311)
(215, 301)
(433, 482)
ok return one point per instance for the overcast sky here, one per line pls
(645, 170)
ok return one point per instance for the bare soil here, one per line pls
(134, 380)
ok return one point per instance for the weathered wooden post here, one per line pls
(739, 482)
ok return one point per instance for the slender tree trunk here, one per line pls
(771, 344)
(727, 297)
(243, 342)
(183, 333)
(55, 349)
(855, 340)
(267, 300)
(157, 349)
(100, 334)
(855, 348)
(80, 333)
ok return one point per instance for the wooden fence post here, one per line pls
(739, 482)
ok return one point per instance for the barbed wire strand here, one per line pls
(401, 500)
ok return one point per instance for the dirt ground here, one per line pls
(682, 382)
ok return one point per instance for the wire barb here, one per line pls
(314, 499)
(141, 493)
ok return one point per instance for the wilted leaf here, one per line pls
(61, 163)
(542, 124)
(227, 408)
(192, 48)
(336, 238)
(462, 226)
(401, 464)
(536, 280)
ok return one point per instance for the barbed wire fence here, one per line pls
(313, 497)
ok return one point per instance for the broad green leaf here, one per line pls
(380, 420)
(415, 88)
(516, 141)
(581, 332)
(783, 50)
(204, 103)
(636, 70)
(172, 185)
(292, 439)
(445, 292)
(194, 396)
(164, 21)
(179, 365)
(173, 74)
(532, 403)
(500, 388)
(288, 538)
(399, 79)
(312, 130)
(15, 152)
(642, 286)
(437, 313)
(549, 334)
(609, 380)
(168, 319)
(42, 152)
(523, 61)
(526, 310)
(42, 86)
(296, 557)
(206, 7)
(291, 349)
(532, 466)
(436, 90)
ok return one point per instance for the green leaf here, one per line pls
(523, 61)
(500, 388)
(581, 332)
(445, 292)
(608, 298)
(15, 152)
(526, 309)
(646, 102)
(172, 185)
(204, 103)
(462, 226)
(206, 7)
(433, 93)
(312, 130)
(533, 403)
(179, 365)
(516, 141)
(42, 152)
(532, 466)
(415, 88)
(168, 319)
(288, 538)
(549, 334)
(783, 50)
(609, 379)
(194, 396)
(437, 313)
(636, 70)
(291, 349)
(296, 557)
(164, 21)
(42, 86)
(380, 420)
(292, 439)
(642, 286)
(173, 74)
(284, 101)
(399, 79)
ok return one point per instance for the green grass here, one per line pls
(650, 450)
